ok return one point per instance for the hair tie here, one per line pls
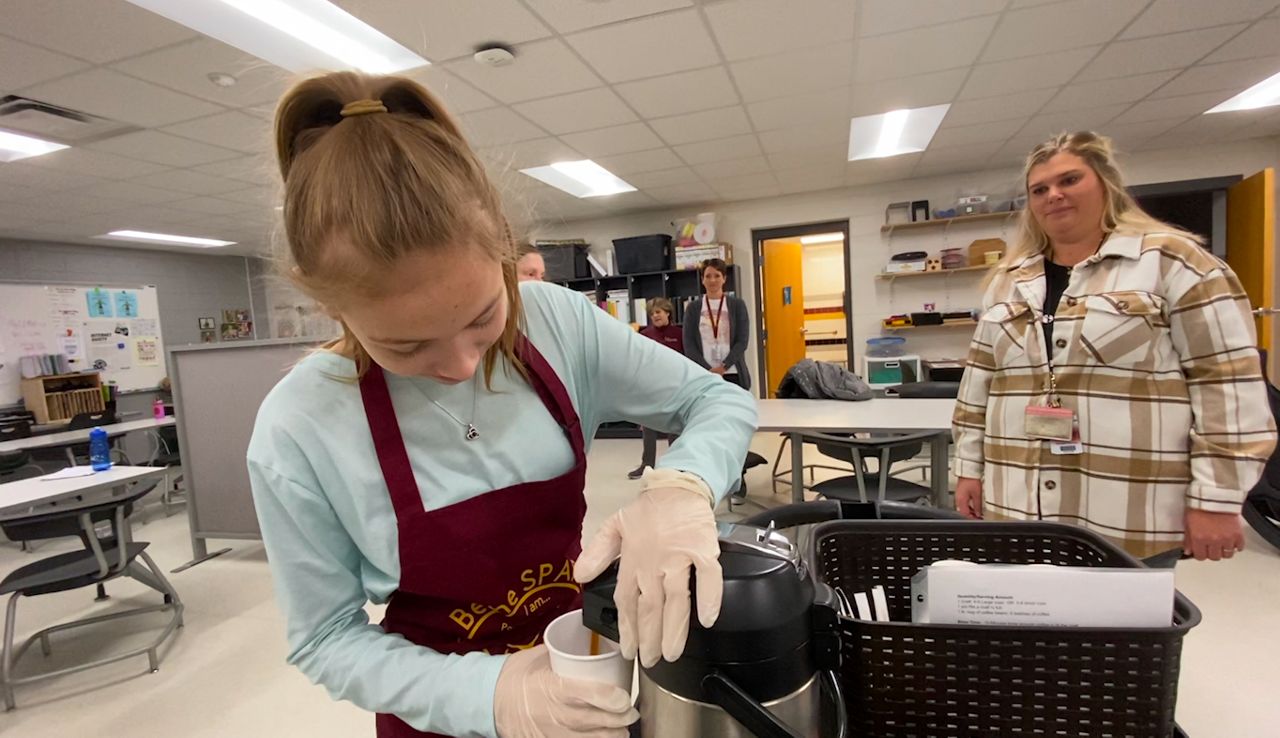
(362, 107)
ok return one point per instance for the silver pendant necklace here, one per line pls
(471, 433)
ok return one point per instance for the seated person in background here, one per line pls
(662, 330)
(531, 267)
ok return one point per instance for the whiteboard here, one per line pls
(114, 329)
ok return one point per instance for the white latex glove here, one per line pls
(659, 537)
(531, 701)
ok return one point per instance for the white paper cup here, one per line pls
(569, 644)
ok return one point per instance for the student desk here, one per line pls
(880, 414)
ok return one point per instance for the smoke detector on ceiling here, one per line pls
(494, 55)
(222, 79)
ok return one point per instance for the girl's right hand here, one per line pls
(531, 701)
(969, 497)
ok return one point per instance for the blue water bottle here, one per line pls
(99, 450)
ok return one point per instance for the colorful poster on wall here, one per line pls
(99, 303)
(126, 304)
(146, 349)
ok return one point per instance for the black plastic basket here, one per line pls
(904, 679)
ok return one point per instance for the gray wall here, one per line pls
(188, 286)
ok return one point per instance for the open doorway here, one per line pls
(802, 298)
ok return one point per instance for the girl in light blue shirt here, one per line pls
(433, 457)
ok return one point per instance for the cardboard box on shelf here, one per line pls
(979, 249)
(691, 257)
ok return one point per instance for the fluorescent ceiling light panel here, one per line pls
(583, 178)
(299, 35)
(1262, 95)
(896, 132)
(821, 238)
(15, 146)
(147, 237)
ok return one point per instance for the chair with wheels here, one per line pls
(103, 558)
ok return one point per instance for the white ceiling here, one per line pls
(692, 101)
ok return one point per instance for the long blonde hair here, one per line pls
(1120, 212)
(378, 162)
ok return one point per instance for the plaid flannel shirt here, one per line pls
(1154, 350)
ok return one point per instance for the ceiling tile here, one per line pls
(163, 148)
(578, 111)
(880, 170)
(647, 47)
(1059, 26)
(22, 65)
(542, 69)
(1002, 107)
(923, 49)
(1258, 39)
(567, 16)
(751, 28)
(265, 197)
(615, 140)
(1170, 107)
(702, 126)
(732, 168)
(801, 137)
(459, 97)
(837, 152)
(195, 183)
(497, 126)
(935, 88)
(259, 170)
(186, 67)
(232, 130)
(806, 70)
(1228, 77)
(525, 154)
(625, 165)
(1172, 51)
(685, 92)
(683, 194)
(1077, 119)
(811, 179)
(956, 159)
(1106, 92)
(662, 178)
(208, 205)
(887, 16)
(735, 147)
(57, 205)
(34, 179)
(98, 31)
(959, 136)
(1050, 70)
(786, 111)
(1171, 16)
(95, 163)
(134, 192)
(447, 30)
(115, 96)
(1131, 136)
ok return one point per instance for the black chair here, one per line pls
(886, 449)
(12, 430)
(102, 559)
(16, 465)
(79, 453)
(167, 454)
(924, 390)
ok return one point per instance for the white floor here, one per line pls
(226, 676)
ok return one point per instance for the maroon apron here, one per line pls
(487, 574)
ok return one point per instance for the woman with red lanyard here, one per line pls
(433, 457)
(716, 327)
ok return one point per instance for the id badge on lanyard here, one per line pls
(1051, 421)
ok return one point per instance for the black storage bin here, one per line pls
(643, 253)
(565, 262)
(903, 679)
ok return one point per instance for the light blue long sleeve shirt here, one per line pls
(330, 529)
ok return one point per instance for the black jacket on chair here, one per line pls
(739, 332)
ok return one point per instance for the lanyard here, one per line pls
(715, 317)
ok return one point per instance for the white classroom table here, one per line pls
(67, 438)
(882, 414)
(18, 498)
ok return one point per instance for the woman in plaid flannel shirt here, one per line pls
(1146, 339)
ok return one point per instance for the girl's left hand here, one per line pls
(660, 537)
(1213, 536)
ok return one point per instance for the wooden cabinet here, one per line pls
(63, 396)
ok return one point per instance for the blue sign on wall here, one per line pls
(786, 295)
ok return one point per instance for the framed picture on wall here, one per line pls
(209, 336)
(207, 324)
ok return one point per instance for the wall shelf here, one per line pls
(948, 222)
(901, 275)
(967, 324)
